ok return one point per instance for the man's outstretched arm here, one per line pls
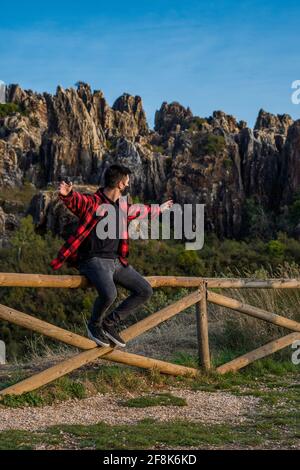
(142, 210)
(76, 202)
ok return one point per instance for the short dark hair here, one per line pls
(114, 174)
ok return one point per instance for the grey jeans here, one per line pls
(104, 273)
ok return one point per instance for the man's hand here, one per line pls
(65, 188)
(166, 205)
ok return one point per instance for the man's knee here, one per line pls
(147, 291)
(108, 297)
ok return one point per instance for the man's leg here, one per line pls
(140, 289)
(100, 273)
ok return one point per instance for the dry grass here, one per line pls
(228, 330)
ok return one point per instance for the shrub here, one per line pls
(227, 163)
(111, 144)
(7, 109)
(196, 124)
(158, 148)
(294, 209)
(190, 262)
(209, 144)
(257, 221)
(276, 248)
(214, 144)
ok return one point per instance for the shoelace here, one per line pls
(115, 326)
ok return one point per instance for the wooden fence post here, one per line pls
(202, 328)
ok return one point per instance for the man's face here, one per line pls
(124, 184)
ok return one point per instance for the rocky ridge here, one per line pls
(215, 161)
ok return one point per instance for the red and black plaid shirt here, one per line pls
(85, 206)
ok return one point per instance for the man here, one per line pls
(103, 260)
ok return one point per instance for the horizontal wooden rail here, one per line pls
(74, 281)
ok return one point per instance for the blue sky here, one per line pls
(237, 56)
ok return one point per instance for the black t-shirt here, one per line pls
(95, 246)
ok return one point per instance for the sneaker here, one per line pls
(110, 330)
(96, 333)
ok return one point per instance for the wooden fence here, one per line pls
(200, 296)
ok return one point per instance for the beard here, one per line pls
(125, 191)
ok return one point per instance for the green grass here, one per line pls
(275, 422)
(263, 378)
(280, 430)
(62, 389)
(184, 359)
(147, 433)
(161, 399)
(26, 399)
(25, 440)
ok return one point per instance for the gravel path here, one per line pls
(201, 406)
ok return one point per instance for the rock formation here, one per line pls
(215, 161)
